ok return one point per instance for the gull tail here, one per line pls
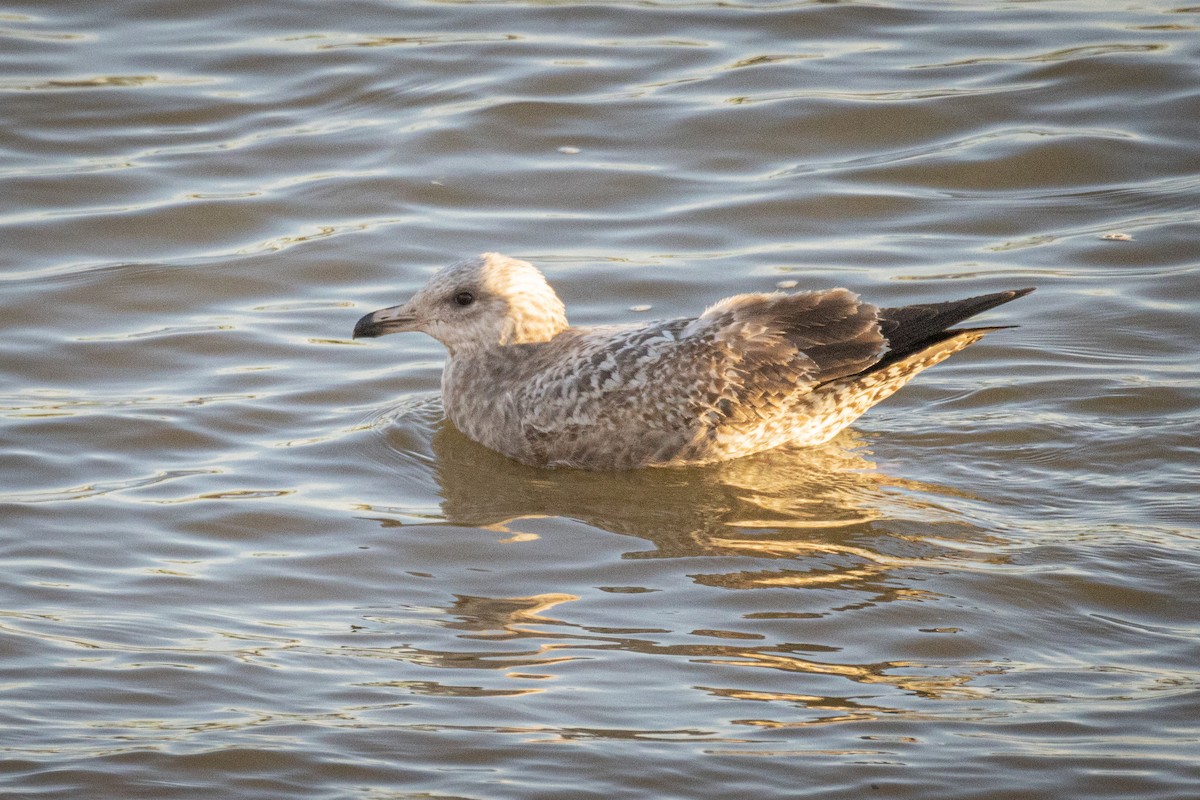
(918, 337)
(910, 329)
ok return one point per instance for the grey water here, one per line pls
(244, 556)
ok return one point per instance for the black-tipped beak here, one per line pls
(383, 321)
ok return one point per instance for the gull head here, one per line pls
(487, 301)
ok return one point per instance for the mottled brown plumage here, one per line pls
(752, 372)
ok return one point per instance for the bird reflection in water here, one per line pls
(823, 518)
(786, 503)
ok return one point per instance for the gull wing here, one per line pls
(681, 382)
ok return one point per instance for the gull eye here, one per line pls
(464, 298)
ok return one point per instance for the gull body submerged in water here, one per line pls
(752, 372)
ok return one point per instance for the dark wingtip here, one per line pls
(910, 328)
(989, 301)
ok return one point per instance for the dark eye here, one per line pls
(464, 298)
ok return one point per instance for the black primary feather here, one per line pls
(911, 328)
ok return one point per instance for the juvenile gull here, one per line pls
(753, 372)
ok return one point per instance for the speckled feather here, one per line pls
(752, 372)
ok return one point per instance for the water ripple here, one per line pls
(246, 553)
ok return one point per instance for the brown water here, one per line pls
(245, 558)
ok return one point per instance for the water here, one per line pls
(245, 558)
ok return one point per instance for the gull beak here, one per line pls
(386, 320)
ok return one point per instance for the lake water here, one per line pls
(245, 557)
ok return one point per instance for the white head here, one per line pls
(485, 301)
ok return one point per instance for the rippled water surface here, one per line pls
(245, 557)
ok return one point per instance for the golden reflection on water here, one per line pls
(827, 515)
(786, 504)
(101, 82)
(556, 641)
(503, 617)
(57, 403)
(881, 673)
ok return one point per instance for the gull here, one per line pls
(753, 372)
